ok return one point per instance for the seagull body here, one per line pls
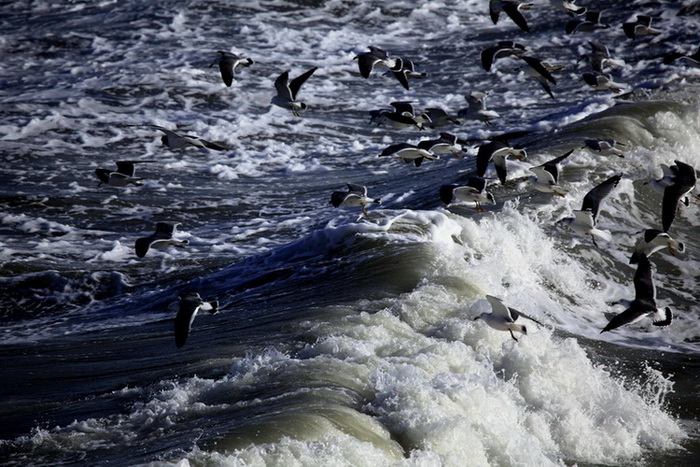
(439, 117)
(447, 143)
(500, 50)
(600, 58)
(376, 57)
(474, 191)
(162, 238)
(547, 180)
(644, 303)
(683, 183)
(602, 82)
(228, 62)
(503, 318)
(692, 60)
(513, 9)
(640, 27)
(355, 196)
(584, 220)
(408, 153)
(287, 91)
(189, 305)
(403, 116)
(123, 176)
(404, 69)
(175, 140)
(591, 22)
(496, 151)
(604, 146)
(652, 241)
(476, 109)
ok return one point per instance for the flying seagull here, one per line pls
(123, 176)
(503, 318)
(228, 62)
(160, 239)
(175, 140)
(500, 50)
(644, 303)
(189, 305)
(408, 153)
(683, 183)
(355, 196)
(496, 151)
(513, 9)
(473, 191)
(287, 91)
(376, 57)
(547, 180)
(652, 241)
(584, 220)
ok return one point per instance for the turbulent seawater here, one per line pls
(342, 339)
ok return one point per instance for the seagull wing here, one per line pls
(644, 289)
(499, 309)
(495, 10)
(296, 83)
(594, 197)
(282, 86)
(537, 65)
(126, 168)
(185, 317)
(512, 9)
(357, 189)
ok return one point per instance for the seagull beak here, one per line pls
(458, 155)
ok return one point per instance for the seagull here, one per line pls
(376, 57)
(600, 58)
(447, 143)
(476, 109)
(496, 151)
(175, 140)
(187, 308)
(683, 183)
(501, 50)
(503, 318)
(394, 119)
(474, 191)
(355, 196)
(548, 176)
(439, 117)
(123, 176)
(162, 238)
(602, 82)
(584, 220)
(228, 62)
(652, 241)
(590, 23)
(644, 303)
(570, 7)
(604, 146)
(513, 9)
(408, 153)
(640, 27)
(692, 60)
(404, 69)
(287, 91)
(541, 71)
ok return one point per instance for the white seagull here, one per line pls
(447, 143)
(644, 303)
(503, 318)
(473, 191)
(496, 151)
(228, 62)
(408, 153)
(584, 220)
(652, 241)
(189, 305)
(160, 239)
(287, 91)
(476, 109)
(547, 174)
(355, 196)
(503, 49)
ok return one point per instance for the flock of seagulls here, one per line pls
(676, 184)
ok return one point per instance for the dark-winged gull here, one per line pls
(640, 27)
(653, 240)
(690, 59)
(476, 109)
(161, 238)
(287, 91)
(503, 49)
(547, 174)
(503, 318)
(513, 8)
(190, 303)
(473, 191)
(439, 117)
(644, 303)
(404, 69)
(447, 143)
(591, 22)
(542, 72)
(228, 61)
(604, 146)
(123, 176)
(356, 195)
(496, 152)
(376, 57)
(599, 59)
(408, 153)
(584, 220)
(602, 82)
(175, 140)
(683, 183)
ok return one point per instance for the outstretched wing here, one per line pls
(594, 197)
(296, 83)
